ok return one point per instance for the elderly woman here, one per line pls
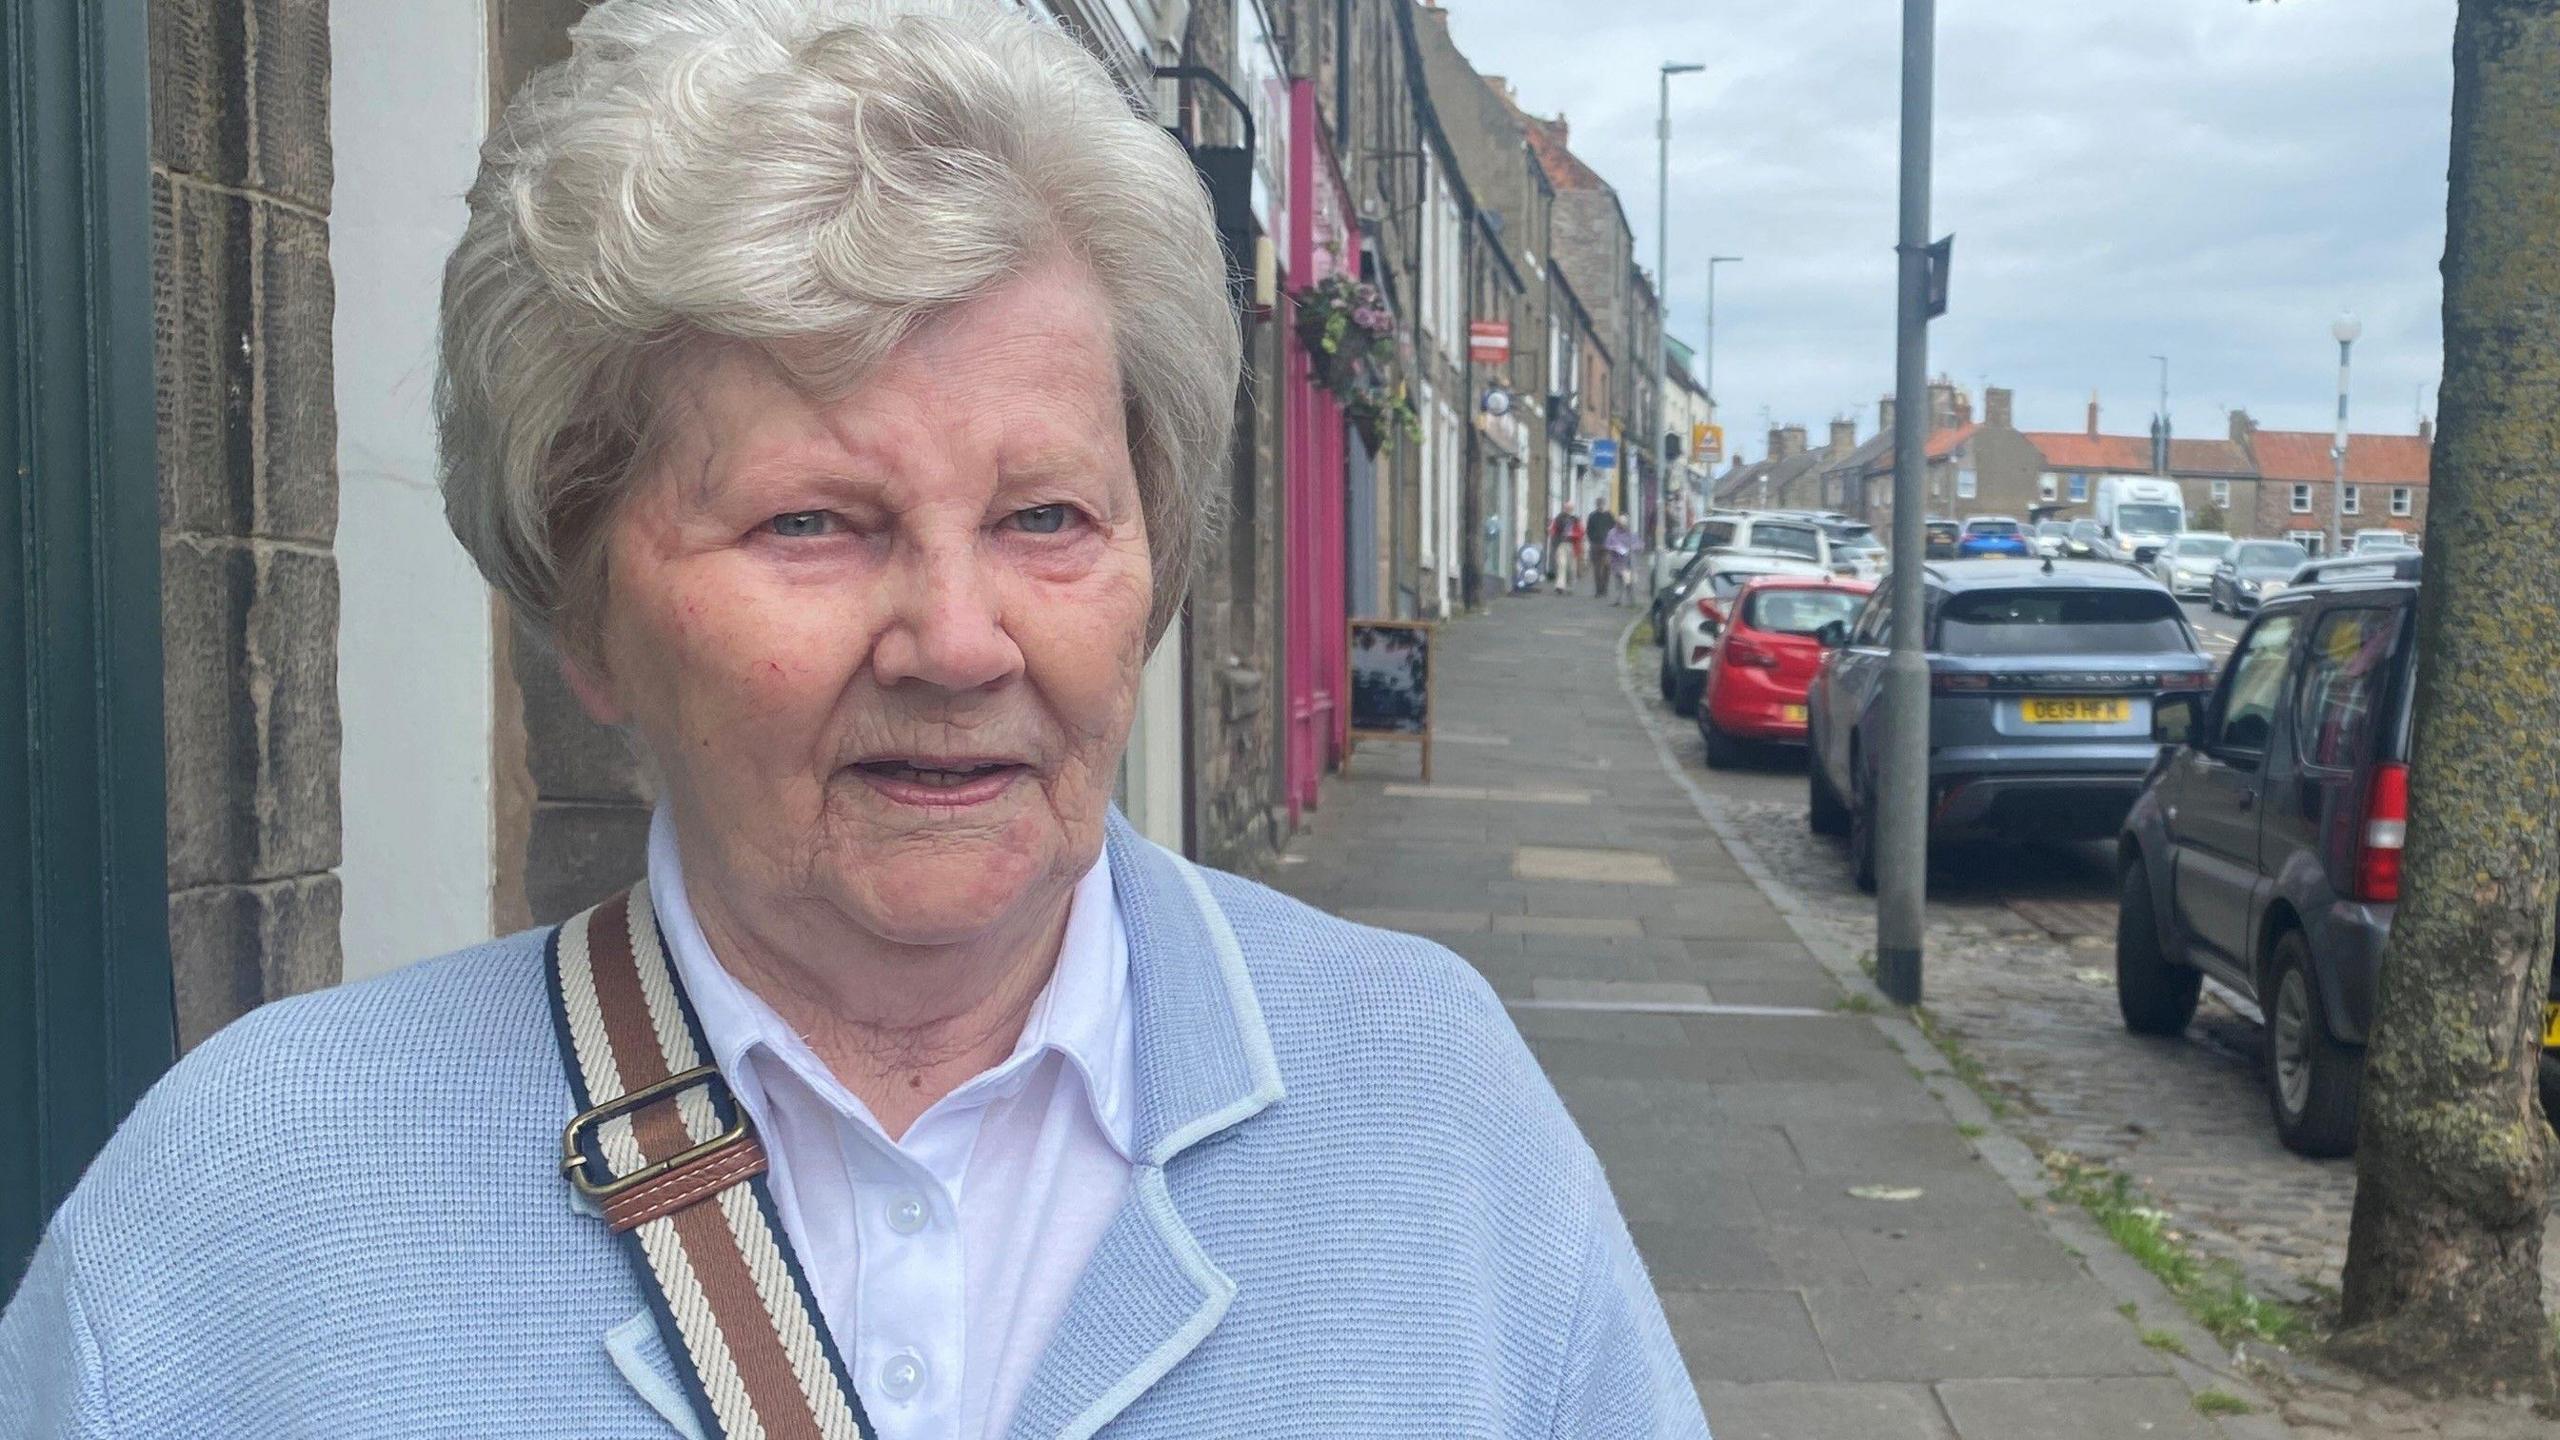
(836, 382)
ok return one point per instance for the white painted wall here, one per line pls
(408, 104)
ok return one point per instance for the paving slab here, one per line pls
(1978, 1332)
(2105, 1409)
(1825, 1410)
(1746, 1335)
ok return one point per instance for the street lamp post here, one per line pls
(2345, 331)
(1712, 262)
(1895, 808)
(1662, 301)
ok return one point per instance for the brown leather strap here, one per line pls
(678, 1174)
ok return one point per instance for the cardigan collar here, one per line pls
(1204, 1063)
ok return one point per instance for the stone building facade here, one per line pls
(240, 191)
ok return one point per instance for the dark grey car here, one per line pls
(2254, 572)
(2265, 849)
(2043, 676)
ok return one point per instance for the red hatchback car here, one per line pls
(1765, 658)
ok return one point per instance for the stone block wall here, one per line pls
(243, 302)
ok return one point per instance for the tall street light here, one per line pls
(2347, 328)
(1662, 296)
(1712, 262)
(1891, 806)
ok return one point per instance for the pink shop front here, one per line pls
(1319, 240)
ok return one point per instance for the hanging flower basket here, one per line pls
(1349, 335)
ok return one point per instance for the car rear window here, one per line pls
(1791, 539)
(2342, 684)
(2061, 622)
(1991, 527)
(1800, 612)
(2264, 556)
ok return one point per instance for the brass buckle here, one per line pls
(573, 1161)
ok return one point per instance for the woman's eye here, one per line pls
(799, 524)
(1042, 519)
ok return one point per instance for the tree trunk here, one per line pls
(2443, 1285)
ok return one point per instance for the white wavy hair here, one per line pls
(832, 170)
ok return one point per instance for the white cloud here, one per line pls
(2209, 179)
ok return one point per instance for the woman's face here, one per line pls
(885, 649)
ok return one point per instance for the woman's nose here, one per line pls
(947, 625)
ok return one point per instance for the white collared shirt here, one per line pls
(941, 1260)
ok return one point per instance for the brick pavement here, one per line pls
(1751, 1128)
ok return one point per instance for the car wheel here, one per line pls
(1685, 689)
(1723, 751)
(2156, 995)
(1662, 673)
(1823, 812)
(1862, 838)
(2312, 1080)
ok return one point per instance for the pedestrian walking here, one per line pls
(910, 1092)
(1621, 580)
(1597, 532)
(1564, 541)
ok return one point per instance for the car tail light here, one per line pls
(1707, 610)
(1743, 652)
(2187, 680)
(1944, 683)
(2386, 830)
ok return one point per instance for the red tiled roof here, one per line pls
(2209, 457)
(1943, 443)
(2371, 459)
(2072, 450)
(1565, 169)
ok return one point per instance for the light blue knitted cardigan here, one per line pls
(1361, 1211)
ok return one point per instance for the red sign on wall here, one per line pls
(1489, 342)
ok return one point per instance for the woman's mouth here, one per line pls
(942, 784)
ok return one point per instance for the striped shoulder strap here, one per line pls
(663, 1150)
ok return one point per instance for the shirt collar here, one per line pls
(1083, 1013)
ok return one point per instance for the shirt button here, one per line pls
(902, 1377)
(908, 1213)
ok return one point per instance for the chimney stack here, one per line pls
(1995, 407)
(1884, 416)
(1844, 436)
(2242, 427)
(2426, 429)
(2093, 414)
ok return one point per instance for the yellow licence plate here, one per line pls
(2076, 709)
(1792, 714)
(2551, 1027)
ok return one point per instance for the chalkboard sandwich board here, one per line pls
(1390, 683)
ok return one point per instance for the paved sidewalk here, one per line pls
(1834, 1255)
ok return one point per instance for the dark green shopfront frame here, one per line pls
(85, 1009)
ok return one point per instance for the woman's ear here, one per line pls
(582, 664)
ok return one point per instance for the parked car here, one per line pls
(1699, 617)
(1986, 536)
(1764, 659)
(1792, 532)
(2049, 535)
(2089, 540)
(2042, 677)
(1855, 550)
(2186, 563)
(2254, 571)
(1938, 538)
(2367, 542)
(2265, 849)
(1679, 551)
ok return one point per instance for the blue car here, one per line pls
(1988, 537)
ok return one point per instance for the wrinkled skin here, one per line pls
(948, 562)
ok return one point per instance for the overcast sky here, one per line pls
(2212, 180)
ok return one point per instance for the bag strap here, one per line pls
(663, 1150)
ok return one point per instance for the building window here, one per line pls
(2079, 487)
(2222, 495)
(1968, 484)
(2311, 540)
(2301, 499)
(2401, 500)
(2350, 502)
(2047, 486)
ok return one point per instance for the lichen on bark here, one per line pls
(2443, 1279)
